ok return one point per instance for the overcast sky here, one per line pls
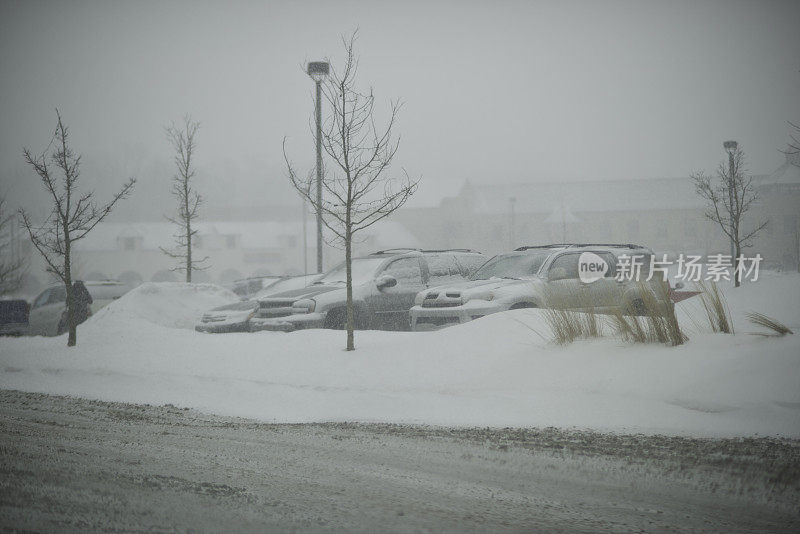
(494, 92)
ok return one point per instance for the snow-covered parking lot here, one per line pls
(498, 371)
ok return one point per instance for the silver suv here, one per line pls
(384, 287)
(533, 277)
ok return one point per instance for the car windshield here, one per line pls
(522, 265)
(286, 284)
(363, 270)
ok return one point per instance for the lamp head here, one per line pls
(730, 146)
(318, 70)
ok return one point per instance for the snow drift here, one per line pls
(169, 304)
(501, 370)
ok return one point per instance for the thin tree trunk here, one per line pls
(188, 229)
(72, 339)
(348, 260)
(736, 261)
(188, 251)
(737, 247)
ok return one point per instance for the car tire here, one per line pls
(336, 319)
(637, 307)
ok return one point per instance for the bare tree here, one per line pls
(189, 200)
(728, 198)
(73, 214)
(12, 263)
(794, 145)
(793, 156)
(358, 189)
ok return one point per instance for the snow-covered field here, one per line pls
(498, 371)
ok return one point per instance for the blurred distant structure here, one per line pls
(131, 252)
(664, 214)
(244, 241)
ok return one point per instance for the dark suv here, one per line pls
(384, 286)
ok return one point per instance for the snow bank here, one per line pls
(497, 371)
(170, 304)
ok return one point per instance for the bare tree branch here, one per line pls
(793, 147)
(73, 214)
(728, 198)
(358, 191)
(182, 139)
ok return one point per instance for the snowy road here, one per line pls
(73, 465)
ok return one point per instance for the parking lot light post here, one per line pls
(730, 148)
(511, 201)
(318, 70)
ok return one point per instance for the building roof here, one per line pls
(788, 173)
(572, 198)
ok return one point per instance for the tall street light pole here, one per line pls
(318, 70)
(730, 148)
(511, 201)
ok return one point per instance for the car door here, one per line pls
(36, 320)
(605, 293)
(564, 289)
(53, 310)
(391, 304)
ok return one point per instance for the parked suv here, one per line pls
(534, 277)
(235, 317)
(384, 286)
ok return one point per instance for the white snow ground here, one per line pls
(498, 371)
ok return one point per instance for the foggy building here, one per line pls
(665, 214)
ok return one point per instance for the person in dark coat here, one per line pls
(81, 309)
(81, 302)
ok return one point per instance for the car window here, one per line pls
(568, 262)
(468, 263)
(442, 268)
(362, 269)
(250, 286)
(286, 284)
(439, 265)
(513, 265)
(253, 286)
(407, 271)
(41, 300)
(611, 260)
(57, 294)
(636, 261)
(240, 288)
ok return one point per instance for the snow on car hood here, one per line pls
(243, 305)
(306, 292)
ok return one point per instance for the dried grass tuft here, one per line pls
(656, 323)
(653, 320)
(567, 325)
(716, 308)
(760, 319)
